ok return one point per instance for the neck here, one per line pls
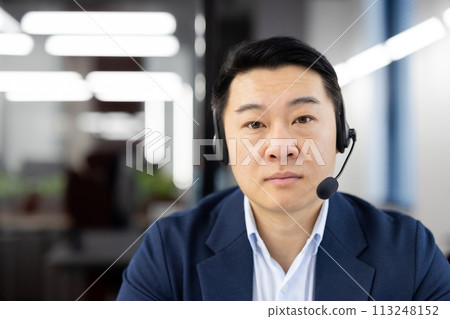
(285, 233)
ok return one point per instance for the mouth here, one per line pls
(283, 179)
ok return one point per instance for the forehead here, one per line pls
(258, 85)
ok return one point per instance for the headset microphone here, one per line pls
(329, 185)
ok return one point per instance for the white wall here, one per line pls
(431, 97)
(430, 72)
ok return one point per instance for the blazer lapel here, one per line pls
(340, 275)
(228, 274)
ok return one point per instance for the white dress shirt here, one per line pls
(270, 282)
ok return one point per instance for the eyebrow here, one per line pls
(300, 100)
(304, 100)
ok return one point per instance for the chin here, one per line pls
(289, 201)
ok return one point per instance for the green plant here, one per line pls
(16, 185)
(158, 186)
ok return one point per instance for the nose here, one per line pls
(282, 148)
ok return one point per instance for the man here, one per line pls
(279, 107)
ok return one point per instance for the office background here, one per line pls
(79, 175)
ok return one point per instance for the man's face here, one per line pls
(270, 124)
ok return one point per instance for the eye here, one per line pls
(303, 119)
(254, 125)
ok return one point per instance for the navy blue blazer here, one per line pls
(204, 254)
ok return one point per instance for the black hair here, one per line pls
(270, 54)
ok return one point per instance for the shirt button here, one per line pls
(285, 288)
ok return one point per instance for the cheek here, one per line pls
(234, 150)
(325, 142)
(243, 165)
(329, 149)
(239, 149)
(243, 176)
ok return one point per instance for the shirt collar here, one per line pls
(250, 224)
(316, 234)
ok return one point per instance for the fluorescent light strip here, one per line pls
(395, 48)
(44, 86)
(66, 91)
(200, 46)
(114, 23)
(26, 80)
(344, 77)
(15, 44)
(134, 86)
(200, 24)
(363, 64)
(154, 121)
(446, 17)
(368, 61)
(415, 38)
(8, 23)
(183, 134)
(109, 125)
(103, 45)
(200, 87)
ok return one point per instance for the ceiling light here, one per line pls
(78, 22)
(200, 24)
(446, 17)
(109, 125)
(155, 121)
(44, 86)
(200, 46)
(343, 74)
(415, 38)
(367, 61)
(27, 80)
(134, 86)
(103, 45)
(15, 44)
(8, 23)
(183, 135)
(200, 87)
(68, 91)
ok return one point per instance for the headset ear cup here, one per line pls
(225, 152)
(346, 135)
(343, 131)
(340, 134)
(219, 142)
